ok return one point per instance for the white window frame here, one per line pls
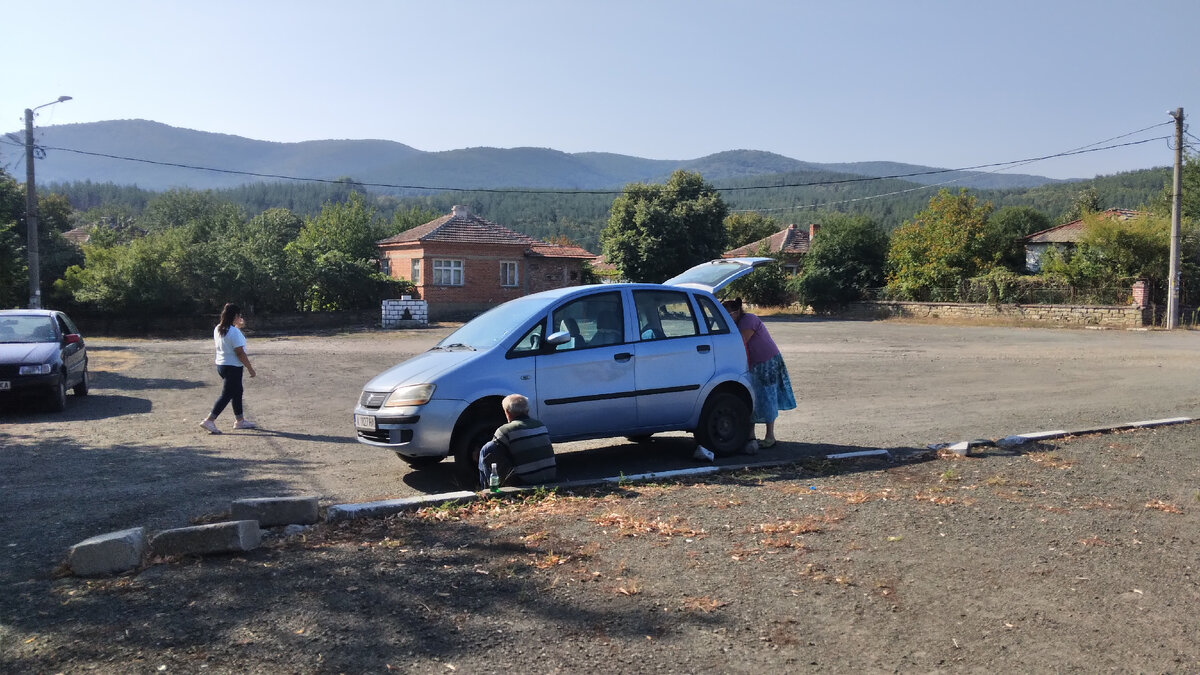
(507, 280)
(448, 272)
(415, 271)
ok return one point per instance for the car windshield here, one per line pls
(490, 328)
(27, 329)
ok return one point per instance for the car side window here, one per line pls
(530, 343)
(63, 328)
(593, 321)
(664, 314)
(712, 316)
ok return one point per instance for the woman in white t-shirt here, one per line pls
(231, 360)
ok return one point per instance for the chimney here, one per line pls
(459, 210)
(812, 231)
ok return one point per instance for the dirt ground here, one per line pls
(1073, 555)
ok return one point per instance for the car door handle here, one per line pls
(703, 349)
(622, 357)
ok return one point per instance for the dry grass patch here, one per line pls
(1165, 507)
(1049, 460)
(702, 604)
(632, 526)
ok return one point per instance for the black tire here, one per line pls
(81, 389)
(466, 446)
(58, 395)
(420, 462)
(725, 424)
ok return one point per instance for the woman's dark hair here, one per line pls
(228, 314)
(732, 305)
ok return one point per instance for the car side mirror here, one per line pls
(72, 338)
(558, 338)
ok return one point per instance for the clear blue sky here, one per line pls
(942, 83)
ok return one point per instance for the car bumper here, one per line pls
(19, 383)
(413, 431)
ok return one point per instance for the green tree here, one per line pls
(766, 286)
(656, 231)
(1112, 252)
(14, 277)
(844, 261)
(1004, 230)
(334, 260)
(940, 247)
(1086, 201)
(746, 227)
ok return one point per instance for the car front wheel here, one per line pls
(81, 389)
(467, 444)
(725, 424)
(58, 396)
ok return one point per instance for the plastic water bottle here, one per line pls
(494, 479)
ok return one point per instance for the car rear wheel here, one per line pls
(466, 446)
(725, 424)
(420, 462)
(81, 389)
(58, 396)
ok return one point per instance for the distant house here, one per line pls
(462, 264)
(1064, 238)
(791, 244)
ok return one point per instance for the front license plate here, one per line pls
(366, 422)
(4, 385)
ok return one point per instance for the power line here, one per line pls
(427, 188)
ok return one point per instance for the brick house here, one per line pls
(462, 264)
(1063, 237)
(791, 244)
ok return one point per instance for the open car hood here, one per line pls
(714, 275)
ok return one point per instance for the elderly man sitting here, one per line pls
(520, 449)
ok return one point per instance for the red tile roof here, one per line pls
(462, 226)
(790, 239)
(1069, 233)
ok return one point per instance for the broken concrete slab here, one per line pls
(229, 537)
(108, 553)
(273, 511)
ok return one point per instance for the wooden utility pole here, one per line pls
(1176, 203)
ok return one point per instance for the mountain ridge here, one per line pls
(177, 157)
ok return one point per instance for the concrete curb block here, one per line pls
(108, 553)
(272, 511)
(389, 507)
(234, 536)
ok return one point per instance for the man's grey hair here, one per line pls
(516, 405)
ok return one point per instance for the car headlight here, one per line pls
(43, 369)
(417, 394)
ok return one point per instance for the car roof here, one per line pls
(28, 312)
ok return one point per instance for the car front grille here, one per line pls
(373, 399)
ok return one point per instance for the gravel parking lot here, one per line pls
(132, 454)
(1072, 555)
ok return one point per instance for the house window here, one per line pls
(385, 265)
(416, 271)
(508, 273)
(447, 273)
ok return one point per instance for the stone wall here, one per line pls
(405, 313)
(1057, 315)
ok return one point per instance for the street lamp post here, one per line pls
(31, 223)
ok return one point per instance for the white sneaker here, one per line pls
(245, 424)
(210, 426)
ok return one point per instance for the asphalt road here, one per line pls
(132, 453)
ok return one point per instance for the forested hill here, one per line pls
(101, 152)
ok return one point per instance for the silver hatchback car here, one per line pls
(594, 361)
